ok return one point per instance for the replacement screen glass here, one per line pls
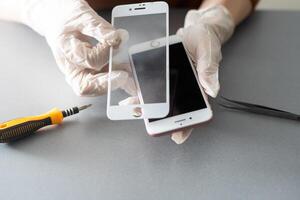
(138, 85)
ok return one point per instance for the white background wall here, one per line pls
(279, 4)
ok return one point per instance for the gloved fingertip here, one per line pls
(180, 137)
(130, 87)
(129, 101)
(211, 93)
(117, 79)
(124, 102)
(180, 32)
(124, 35)
(210, 83)
(117, 38)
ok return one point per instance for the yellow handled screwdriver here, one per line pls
(23, 127)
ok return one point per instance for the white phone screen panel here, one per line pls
(143, 92)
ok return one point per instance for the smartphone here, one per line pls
(188, 105)
(143, 22)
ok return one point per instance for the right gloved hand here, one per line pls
(68, 26)
(204, 32)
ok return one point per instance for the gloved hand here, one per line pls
(203, 34)
(68, 26)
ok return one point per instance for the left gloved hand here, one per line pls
(203, 34)
(79, 38)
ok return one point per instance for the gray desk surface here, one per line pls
(236, 156)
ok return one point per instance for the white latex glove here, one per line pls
(68, 26)
(203, 34)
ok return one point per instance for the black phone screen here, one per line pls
(185, 94)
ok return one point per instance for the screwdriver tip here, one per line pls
(84, 107)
